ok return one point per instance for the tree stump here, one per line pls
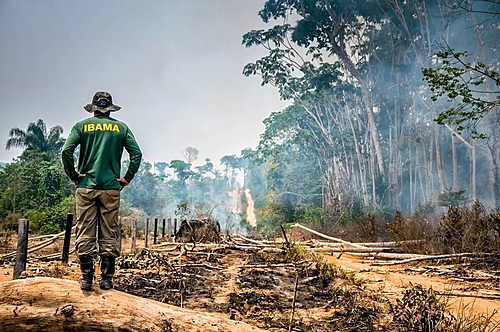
(48, 304)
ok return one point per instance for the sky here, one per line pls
(175, 68)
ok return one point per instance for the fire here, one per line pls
(251, 218)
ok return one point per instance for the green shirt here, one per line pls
(101, 141)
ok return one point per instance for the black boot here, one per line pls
(107, 272)
(87, 268)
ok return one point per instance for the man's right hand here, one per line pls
(79, 177)
(123, 182)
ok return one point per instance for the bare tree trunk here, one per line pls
(423, 194)
(431, 167)
(415, 183)
(427, 171)
(337, 185)
(492, 174)
(454, 161)
(473, 177)
(331, 197)
(439, 165)
(365, 92)
(411, 180)
(360, 163)
(372, 171)
(480, 47)
(373, 127)
(497, 184)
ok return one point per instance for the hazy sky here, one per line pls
(174, 67)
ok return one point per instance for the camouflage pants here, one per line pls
(97, 228)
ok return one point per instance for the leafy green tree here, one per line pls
(322, 29)
(255, 170)
(232, 164)
(161, 166)
(35, 186)
(208, 168)
(36, 137)
(144, 192)
(182, 170)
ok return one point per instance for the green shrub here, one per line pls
(10, 222)
(49, 220)
(465, 229)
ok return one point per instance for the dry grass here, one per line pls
(421, 310)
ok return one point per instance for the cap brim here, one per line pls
(91, 108)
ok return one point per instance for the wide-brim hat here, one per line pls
(102, 102)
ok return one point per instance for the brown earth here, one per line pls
(392, 280)
(238, 286)
(48, 304)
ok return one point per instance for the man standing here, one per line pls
(102, 140)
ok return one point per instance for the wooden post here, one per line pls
(146, 231)
(175, 228)
(67, 238)
(120, 227)
(22, 248)
(133, 235)
(163, 229)
(155, 231)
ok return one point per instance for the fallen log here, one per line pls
(258, 241)
(394, 256)
(40, 245)
(353, 250)
(49, 235)
(47, 304)
(328, 237)
(57, 255)
(265, 266)
(366, 244)
(495, 296)
(430, 258)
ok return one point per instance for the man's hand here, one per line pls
(123, 183)
(79, 177)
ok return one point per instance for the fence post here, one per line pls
(67, 238)
(146, 231)
(120, 227)
(155, 231)
(22, 248)
(163, 229)
(175, 227)
(133, 235)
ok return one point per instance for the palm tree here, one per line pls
(36, 138)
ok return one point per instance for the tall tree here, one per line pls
(191, 154)
(144, 192)
(160, 167)
(323, 28)
(36, 137)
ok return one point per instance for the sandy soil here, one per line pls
(262, 297)
(392, 280)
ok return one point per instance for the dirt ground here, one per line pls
(259, 288)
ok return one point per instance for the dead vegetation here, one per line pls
(259, 288)
(279, 285)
